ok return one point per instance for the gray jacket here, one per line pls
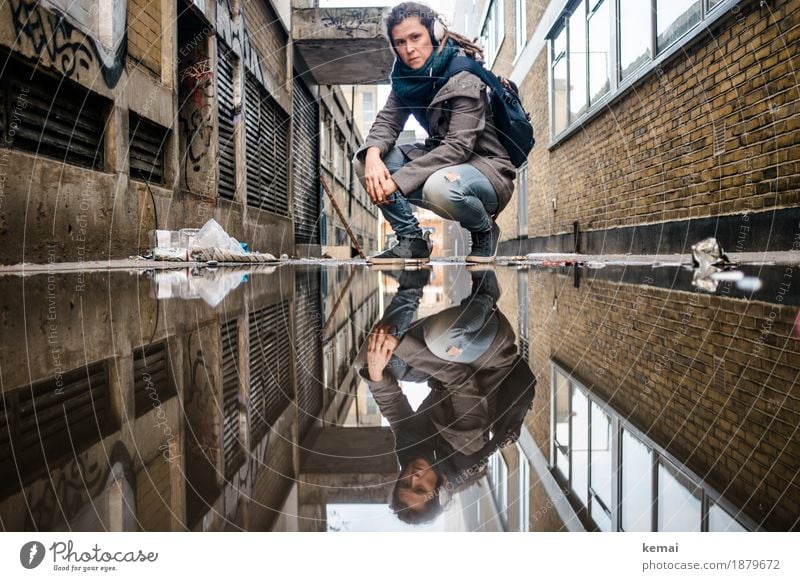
(462, 131)
(462, 403)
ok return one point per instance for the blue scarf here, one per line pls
(416, 87)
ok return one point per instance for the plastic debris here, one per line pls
(211, 286)
(209, 243)
(707, 253)
(728, 275)
(749, 284)
(709, 262)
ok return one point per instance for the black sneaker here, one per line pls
(484, 245)
(407, 249)
(484, 280)
(410, 277)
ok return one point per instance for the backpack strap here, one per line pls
(463, 63)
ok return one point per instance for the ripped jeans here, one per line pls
(460, 193)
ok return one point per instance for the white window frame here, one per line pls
(520, 27)
(493, 30)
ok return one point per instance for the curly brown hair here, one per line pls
(427, 17)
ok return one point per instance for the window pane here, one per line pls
(721, 521)
(580, 445)
(637, 482)
(600, 517)
(562, 423)
(674, 18)
(577, 62)
(678, 501)
(524, 475)
(712, 3)
(600, 52)
(634, 35)
(601, 454)
(559, 112)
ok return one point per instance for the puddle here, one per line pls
(230, 399)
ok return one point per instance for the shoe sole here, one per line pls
(398, 260)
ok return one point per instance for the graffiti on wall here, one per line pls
(198, 82)
(237, 38)
(347, 21)
(59, 44)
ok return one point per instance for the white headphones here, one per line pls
(437, 29)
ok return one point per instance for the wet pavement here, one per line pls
(538, 397)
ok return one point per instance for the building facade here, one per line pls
(657, 124)
(156, 114)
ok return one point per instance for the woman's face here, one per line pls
(412, 42)
(417, 483)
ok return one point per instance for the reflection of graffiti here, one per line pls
(58, 499)
(68, 49)
(347, 21)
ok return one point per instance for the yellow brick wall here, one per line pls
(651, 156)
(144, 33)
(697, 373)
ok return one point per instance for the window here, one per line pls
(524, 488)
(617, 478)
(493, 31)
(559, 82)
(679, 501)
(522, 201)
(367, 111)
(634, 35)
(599, 47)
(577, 63)
(720, 521)
(599, 50)
(673, 19)
(637, 478)
(498, 480)
(520, 26)
(600, 468)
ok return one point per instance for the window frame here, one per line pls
(658, 455)
(709, 15)
(494, 15)
(520, 27)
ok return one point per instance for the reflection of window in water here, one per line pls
(498, 481)
(618, 478)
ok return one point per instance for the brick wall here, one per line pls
(651, 156)
(711, 379)
(144, 33)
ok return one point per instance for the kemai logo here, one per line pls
(31, 554)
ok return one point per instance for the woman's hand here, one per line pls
(380, 349)
(377, 177)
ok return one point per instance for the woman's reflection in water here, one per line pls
(479, 385)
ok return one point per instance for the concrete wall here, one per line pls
(87, 214)
(172, 455)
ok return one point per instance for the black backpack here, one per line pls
(512, 122)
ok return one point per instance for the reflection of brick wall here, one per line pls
(691, 371)
(651, 157)
(144, 33)
(268, 38)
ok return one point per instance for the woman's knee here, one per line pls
(442, 189)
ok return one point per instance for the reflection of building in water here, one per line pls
(659, 408)
(170, 416)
